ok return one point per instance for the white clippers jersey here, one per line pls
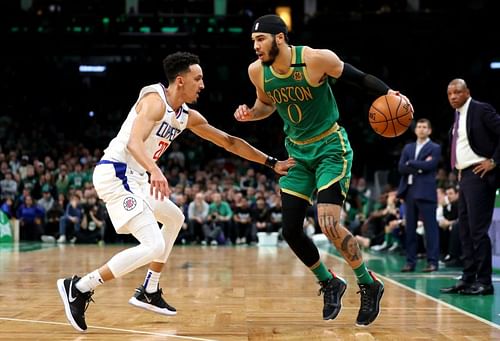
(163, 133)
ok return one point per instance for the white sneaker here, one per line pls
(61, 239)
(72, 240)
(394, 247)
(213, 243)
(48, 239)
(380, 247)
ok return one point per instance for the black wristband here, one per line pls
(271, 162)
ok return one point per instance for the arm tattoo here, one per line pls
(350, 248)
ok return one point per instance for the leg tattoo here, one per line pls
(350, 248)
(330, 226)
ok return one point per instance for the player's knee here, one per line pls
(178, 219)
(291, 231)
(157, 248)
(332, 195)
(170, 216)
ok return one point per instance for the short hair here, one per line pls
(453, 187)
(177, 63)
(424, 120)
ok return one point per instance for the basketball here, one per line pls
(390, 115)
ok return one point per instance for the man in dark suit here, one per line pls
(475, 153)
(418, 166)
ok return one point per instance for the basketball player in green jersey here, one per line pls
(294, 81)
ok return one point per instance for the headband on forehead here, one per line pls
(270, 23)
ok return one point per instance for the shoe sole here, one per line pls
(67, 309)
(136, 303)
(378, 313)
(332, 317)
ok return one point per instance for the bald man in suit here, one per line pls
(475, 153)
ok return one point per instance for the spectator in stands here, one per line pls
(78, 177)
(30, 218)
(7, 207)
(184, 235)
(220, 214)
(23, 166)
(275, 214)
(261, 217)
(93, 222)
(30, 180)
(8, 186)
(197, 217)
(391, 222)
(450, 228)
(62, 181)
(47, 201)
(242, 218)
(53, 218)
(70, 222)
(372, 231)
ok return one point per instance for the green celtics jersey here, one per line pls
(307, 110)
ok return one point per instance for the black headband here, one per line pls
(269, 24)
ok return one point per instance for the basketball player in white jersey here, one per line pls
(134, 205)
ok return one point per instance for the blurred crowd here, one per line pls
(226, 202)
(379, 223)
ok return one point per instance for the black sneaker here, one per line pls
(333, 290)
(153, 302)
(75, 302)
(371, 294)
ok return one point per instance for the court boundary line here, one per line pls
(132, 331)
(446, 304)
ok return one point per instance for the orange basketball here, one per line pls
(390, 115)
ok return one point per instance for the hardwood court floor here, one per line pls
(221, 293)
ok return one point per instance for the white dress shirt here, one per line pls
(465, 155)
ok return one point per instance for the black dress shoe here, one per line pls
(430, 268)
(408, 268)
(456, 288)
(478, 289)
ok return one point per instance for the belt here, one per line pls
(316, 138)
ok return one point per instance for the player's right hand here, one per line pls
(159, 185)
(243, 113)
(397, 93)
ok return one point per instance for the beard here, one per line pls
(273, 53)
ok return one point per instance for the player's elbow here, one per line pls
(229, 143)
(132, 145)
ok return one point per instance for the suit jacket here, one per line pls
(424, 172)
(483, 130)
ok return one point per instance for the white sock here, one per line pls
(151, 281)
(89, 282)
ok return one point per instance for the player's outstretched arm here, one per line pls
(199, 125)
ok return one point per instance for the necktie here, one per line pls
(454, 140)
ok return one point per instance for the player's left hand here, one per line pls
(483, 167)
(282, 167)
(397, 93)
